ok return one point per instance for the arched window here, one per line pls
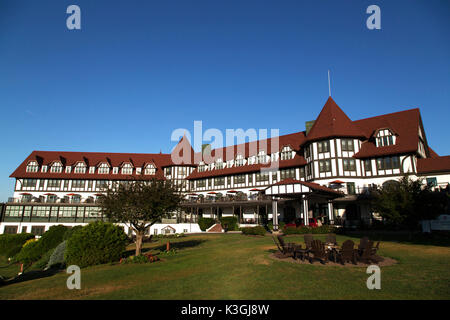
(286, 153)
(56, 167)
(32, 166)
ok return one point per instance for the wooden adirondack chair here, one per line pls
(318, 251)
(367, 255)
(308, 241)
(348, 252)
(362, 244)
(285, 249)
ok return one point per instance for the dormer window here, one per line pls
(262, 157)
(219, 164)
(32, 166)
(127, 168)
(385, 138)
(115, 170)
(150, 169)
(239, 160)
(80, 168)
(286, 153)
(56, 167)
(103, 168)
(201, 168)
(68, 169)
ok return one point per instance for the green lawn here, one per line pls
(234, 266)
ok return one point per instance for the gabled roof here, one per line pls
(404, 123)
(311, 185)
(333, 122)
(93, 159)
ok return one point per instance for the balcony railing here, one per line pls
(228, 199)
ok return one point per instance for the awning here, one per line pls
(292, 187)
(232, 191)
(49, 194)
(212, 192)
(72, 194)
(25, 194)
(337, 182)
(257, 190)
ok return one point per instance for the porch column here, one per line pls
(275, 214)
(305, 211)
(330, 212)
(257, 214)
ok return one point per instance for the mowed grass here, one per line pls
(234, 266)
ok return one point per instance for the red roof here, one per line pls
(405, 124)
(437, 164)
(294, 162)
(311, 185)
(332, 122)
(92, 159)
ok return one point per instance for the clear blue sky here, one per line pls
(139, 69)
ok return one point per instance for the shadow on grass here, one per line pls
(433, 239)
(177, 245)
(31, 275)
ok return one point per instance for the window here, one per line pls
(250, 179)
(13, 211)
(368, 165)
(38, 230)
(351, 188)
(201, 183)
(101, 184)
(218, 164)
(127, 168)
(51, 198)
(240, 178)
(80, 168)
(388, 163)
(40, 212)
(287, 173)
(78, 184)
(432, 182)
(167, 171)
(302, 172)
(385, 138)
(150, 169)
(52, 183)
(323, 146)
(29, 183)
(307, 152)
(32, 166)
(201, 168)
(56, 167)
(67, 212)
(219, 181)
(324, 166)
(10, 230)
(286, 153)
(103, 168)
(239, 160)
(347, 145)
(262, 157)
(349, 164)
(261, 177)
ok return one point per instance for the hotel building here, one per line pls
(326, 172)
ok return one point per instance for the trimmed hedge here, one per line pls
(205, 223)
(231, 223)
(259, 231)
(313, 230)
(11, 244)
(70, 231)
(281, 225)
(96, 243)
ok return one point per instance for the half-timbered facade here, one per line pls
(324, 172)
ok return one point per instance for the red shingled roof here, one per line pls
(311, 185)
(332, 122)
(92, 159)
(294, 162)
(435, 164)
(404, 123)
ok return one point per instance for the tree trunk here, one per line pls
(139, 237)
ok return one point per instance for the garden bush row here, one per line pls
(258, 230)
(305, 230)
(11, 244)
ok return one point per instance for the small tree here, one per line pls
(140, 204)
(406, 202)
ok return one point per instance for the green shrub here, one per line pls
(43, 261)
(11, 244)
(230, 222)
(70, 231)
(30, 253)
(34, 251)
(258, 230)
(143, 258)
(281, 225)
(205, 223)
(304, 230)
(57, 256)
(96, 243)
